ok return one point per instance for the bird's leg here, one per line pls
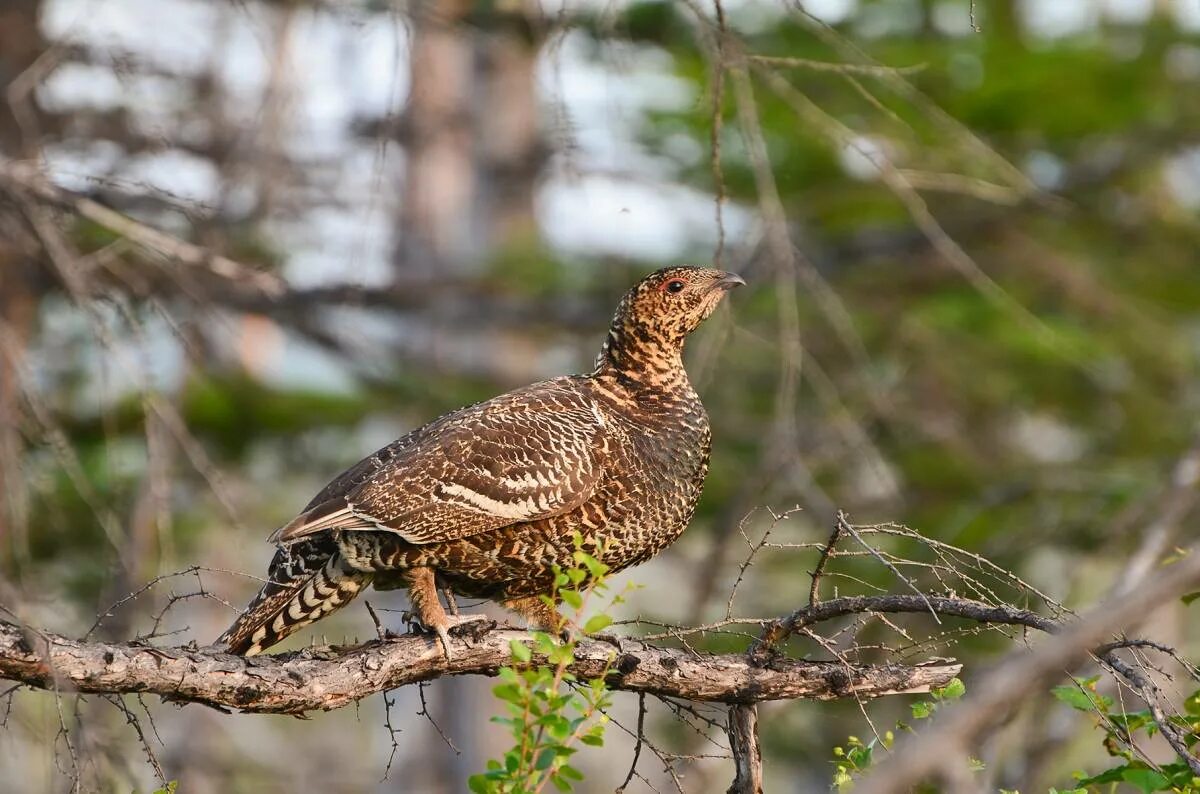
(451, 602)
(543, 617)
(539, 615)
(423, 593)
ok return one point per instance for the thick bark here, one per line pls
(329, 678)
(747, 754)
(21, 44)
(472, 148)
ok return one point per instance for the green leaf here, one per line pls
(1191, 597)
(1082, 695)
(951, 691)
(520, 651)
(860, 756)
(1135, 720)
(597, 623)
(479, 784)
(570, 772)
(1073, 697)
(922, 709)
(507, 692)
(1114, 775)
(1192, 704)
(572, 598)
(558, 726)
(1145, 779)
(596, 568)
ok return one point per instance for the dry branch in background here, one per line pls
(944, 748)
(332, 677)
(25, 182)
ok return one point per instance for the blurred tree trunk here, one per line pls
(21, 44)
(472, 159)
(472, 146)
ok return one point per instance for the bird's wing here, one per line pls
(526, 455)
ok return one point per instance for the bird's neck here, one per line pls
(639, 359)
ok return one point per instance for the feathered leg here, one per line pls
(423, 594)
(306, 582)
(537, 613)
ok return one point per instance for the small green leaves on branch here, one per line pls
(1121, 727)
(856, 756)
(548, 710)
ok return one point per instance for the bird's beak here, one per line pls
(728, 281)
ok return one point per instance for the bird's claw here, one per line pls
(443, 629)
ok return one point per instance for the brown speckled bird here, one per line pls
(486, 500)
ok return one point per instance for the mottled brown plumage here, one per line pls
(486, 500)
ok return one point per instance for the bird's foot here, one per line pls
(442, 628)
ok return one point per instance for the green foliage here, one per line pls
(170, 788)
(855, 757)
(1120, 729)
(548, 711)
(1110, 357)
(1082, 694)
(235, 410)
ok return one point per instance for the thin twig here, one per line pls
(823, 560)
(637, 748)
(869, 70)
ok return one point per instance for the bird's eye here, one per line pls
(675, 286)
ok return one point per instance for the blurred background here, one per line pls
(971, 233)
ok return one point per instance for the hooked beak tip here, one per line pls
(730, 280)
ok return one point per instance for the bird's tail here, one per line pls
(294, 597)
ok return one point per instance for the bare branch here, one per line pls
(747, 755)
(26, 181)
(329, 678)
(1019, 677)
(939, 605)
(870, 70)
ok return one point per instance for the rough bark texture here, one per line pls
(331, 677)
(747, 754)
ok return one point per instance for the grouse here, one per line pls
(487, 500)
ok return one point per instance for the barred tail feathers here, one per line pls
(286, 605)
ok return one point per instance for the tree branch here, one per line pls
(747, 754)
(1022, 675)
(24, 179)
(332, 677)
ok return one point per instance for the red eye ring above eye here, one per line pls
(674, 285)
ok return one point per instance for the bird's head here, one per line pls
(662, 309)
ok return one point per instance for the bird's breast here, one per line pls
(659, 459)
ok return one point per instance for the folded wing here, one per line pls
(531, 454)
